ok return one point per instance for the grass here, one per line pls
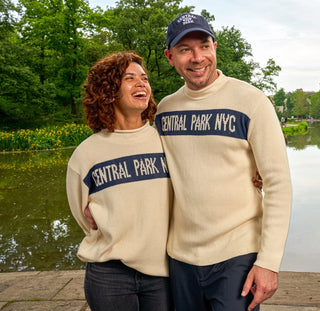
(52, 137)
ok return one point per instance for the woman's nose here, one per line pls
(140, 82)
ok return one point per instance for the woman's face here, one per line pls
(135, 91)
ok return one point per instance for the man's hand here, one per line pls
(90, 219)
(262, 282)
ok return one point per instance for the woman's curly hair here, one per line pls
(102, 91)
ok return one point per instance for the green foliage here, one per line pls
(47, 47)
(279, 98)
(232, 52)
(7, 20)
(289, 105)
(140, 26)
(46, 138)
(44, 59)
(315, 105)
(263, 78)
(300, 103)
(58, 29)
(296, 129)
(24, 99)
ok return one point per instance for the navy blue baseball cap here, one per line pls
(185, 23)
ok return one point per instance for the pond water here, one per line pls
(37, 231)
(302, 252)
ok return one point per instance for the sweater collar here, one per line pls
(128, 132)
(208, 90)
(139, 129)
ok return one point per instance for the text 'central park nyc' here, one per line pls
(223, 122)
(126, 169)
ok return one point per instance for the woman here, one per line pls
(120, 173)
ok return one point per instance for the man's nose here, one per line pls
(196, 55)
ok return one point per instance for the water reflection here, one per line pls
(312, 137)
(37, 231)
(302, 251)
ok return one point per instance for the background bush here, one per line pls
(51, 137)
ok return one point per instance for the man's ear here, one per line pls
(168, 54)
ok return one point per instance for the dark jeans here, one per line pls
(114, 286)
(215, 287)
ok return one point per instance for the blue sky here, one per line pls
(285, 30)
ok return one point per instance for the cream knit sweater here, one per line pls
(214, 140)
(124, 179)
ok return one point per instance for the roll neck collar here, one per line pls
(139, 129)
(123, 132)
(208, 90)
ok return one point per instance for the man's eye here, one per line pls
(185, 50)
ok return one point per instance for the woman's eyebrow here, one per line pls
(133, 74)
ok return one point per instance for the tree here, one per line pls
(263, 78)
(315, 105)
(300, 103)
(232, 53)
(279, 98)
(140, 25)
(290, 106)
(59, 30)
(23, 99)
(73, 69)
(7, 20)
(45, 57)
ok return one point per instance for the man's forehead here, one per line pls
(195, 35)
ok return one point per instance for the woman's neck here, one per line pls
(128, 123)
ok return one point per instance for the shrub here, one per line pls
(51, 137)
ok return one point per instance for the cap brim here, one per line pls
(185, 32)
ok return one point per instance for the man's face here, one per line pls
(194, 58)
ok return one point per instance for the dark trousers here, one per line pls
(116, 287)
(215, 287)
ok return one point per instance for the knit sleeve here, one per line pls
(77, 198)
(268, 145)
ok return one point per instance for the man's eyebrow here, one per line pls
(207, 39)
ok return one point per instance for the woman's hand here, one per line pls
(91, 221)
(257, 181)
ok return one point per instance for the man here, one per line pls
(226, 241)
